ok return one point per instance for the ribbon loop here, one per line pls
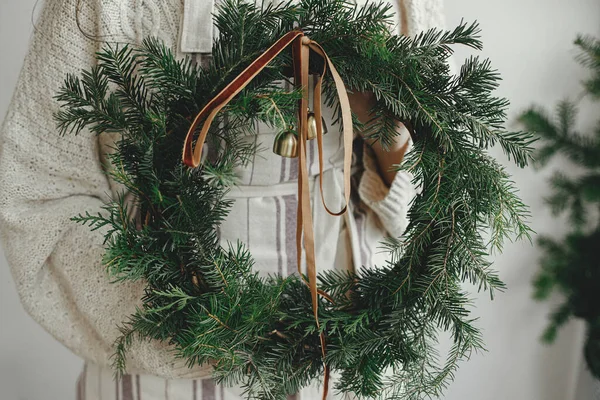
(346, 124)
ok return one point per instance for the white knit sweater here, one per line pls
(46, 179)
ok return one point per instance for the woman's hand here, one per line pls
(361, 103)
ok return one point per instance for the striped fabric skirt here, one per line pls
(96, 383)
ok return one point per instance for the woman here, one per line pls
(46, 179)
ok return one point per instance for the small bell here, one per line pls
(195, 279)
(312, 125)
(286, 144)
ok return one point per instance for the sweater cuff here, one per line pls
(391, 203)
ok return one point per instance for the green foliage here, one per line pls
(382, 325)
(570, 265)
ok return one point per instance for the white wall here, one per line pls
(529, 41)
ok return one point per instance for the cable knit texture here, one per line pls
(389, 203)
(45, 179)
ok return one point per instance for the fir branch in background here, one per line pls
(383, 323)
(571, 265)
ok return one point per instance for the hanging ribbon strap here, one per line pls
(304, 227)
(301, 46)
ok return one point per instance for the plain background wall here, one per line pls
(530, 43)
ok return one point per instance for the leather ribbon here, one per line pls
(301, 46)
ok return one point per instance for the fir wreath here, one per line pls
(381, 325)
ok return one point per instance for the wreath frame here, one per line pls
(260, 332)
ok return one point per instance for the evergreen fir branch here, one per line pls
(589, 57)
(559, 317)
(88, 104)
(119, 65)
(161, 69)
(558, 135)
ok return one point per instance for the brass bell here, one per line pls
(195, 279)
(286, 144)
(312, 125)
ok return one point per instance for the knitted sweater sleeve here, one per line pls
(391, 203)
(45, 179)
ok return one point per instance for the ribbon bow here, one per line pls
(301, 46)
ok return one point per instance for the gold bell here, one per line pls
(286, 144)
(195, 279)
(312, 125)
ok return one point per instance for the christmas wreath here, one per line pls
(375, 327)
